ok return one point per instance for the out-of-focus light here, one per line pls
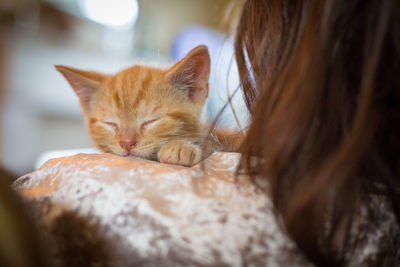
(112, 13)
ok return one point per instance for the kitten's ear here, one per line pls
(84, 83)
(191, 74)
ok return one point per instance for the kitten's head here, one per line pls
(139, 109)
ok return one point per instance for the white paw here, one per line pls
(179, 153)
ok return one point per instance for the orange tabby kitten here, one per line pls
(147, 112)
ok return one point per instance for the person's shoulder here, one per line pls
(202, 215)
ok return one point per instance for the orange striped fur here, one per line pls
(144, 111)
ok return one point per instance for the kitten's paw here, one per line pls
(179, 153)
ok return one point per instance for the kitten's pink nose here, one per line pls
(127, 144)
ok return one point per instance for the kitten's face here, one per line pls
(136, 111)
(140, 109)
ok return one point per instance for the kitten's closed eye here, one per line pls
(148, 123)
(114, 125)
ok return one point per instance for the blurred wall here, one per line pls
(160, 20)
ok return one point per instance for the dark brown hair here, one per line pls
(321, 80)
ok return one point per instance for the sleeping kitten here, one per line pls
(147, 112)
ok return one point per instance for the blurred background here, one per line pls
(39, 111)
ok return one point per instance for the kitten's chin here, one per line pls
(133, 154)
(149, 156)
